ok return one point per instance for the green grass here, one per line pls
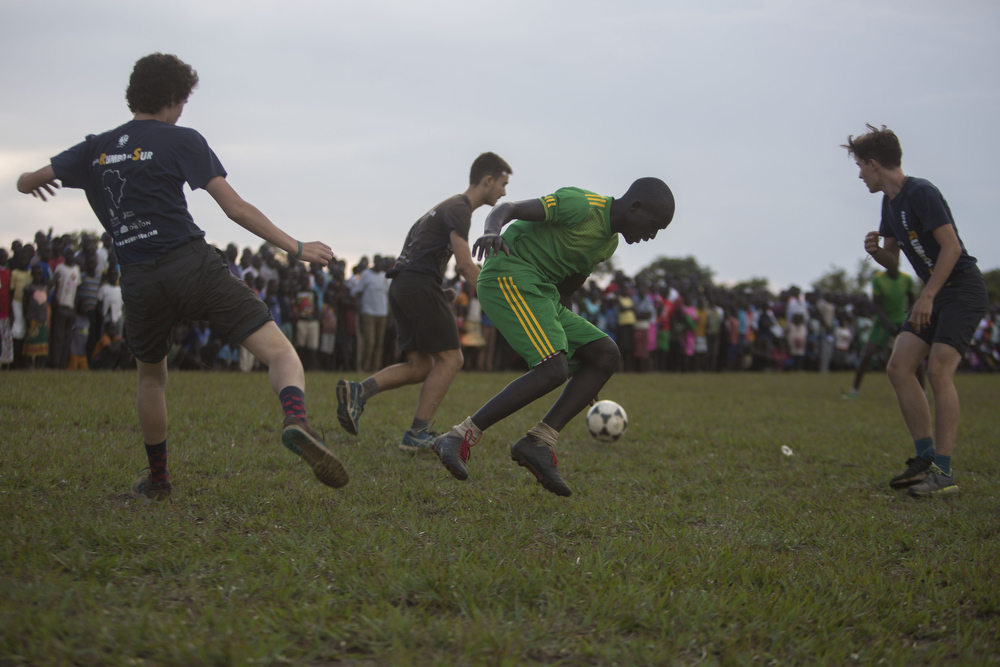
(693, 540)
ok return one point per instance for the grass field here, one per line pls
(694, 540)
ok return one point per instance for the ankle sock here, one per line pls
(293, 402)
(944, 463)
(419, 425)
(545, 433)
(369, 388)
(467, 426)
(157, 455)
(925, 448)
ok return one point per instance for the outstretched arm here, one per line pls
(249, 217)
(490, 243)
(37, 183)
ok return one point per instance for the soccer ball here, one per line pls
(607, 421)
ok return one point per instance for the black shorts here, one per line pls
(192, 282)
(958, 309)
(423, 316)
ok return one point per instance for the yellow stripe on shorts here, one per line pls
(524, 315)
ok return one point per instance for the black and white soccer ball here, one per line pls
(607, 421)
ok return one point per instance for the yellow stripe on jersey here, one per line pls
(596, 200)
(524, 315)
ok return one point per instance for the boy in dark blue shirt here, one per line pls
(916, 219)
(133, 177)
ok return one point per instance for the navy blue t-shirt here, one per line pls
(134, 177)
(912, 217)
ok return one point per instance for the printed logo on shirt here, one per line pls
(915, 243)
(114, 158)
(122, 140)
(115, 185)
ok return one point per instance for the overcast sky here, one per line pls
(346, 121)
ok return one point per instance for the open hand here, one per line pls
(489, 245)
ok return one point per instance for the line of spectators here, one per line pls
(61, 307)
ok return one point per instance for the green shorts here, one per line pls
(526, 310)
(878, 336)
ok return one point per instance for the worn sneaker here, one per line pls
(540, 460)
(936, 483)
(301, 439)
(350, 405)
(417, 442)
(453, 450)
(144, 487)
(916, 471)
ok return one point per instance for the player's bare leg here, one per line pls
(907, 355)
(941, 367)
(528, 388)
(151, 400)
(445, 367)
(288, 379)
(599, 361)
(271, 347)
(415, 369)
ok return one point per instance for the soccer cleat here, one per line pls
(936, 483)
(144, 487)
(350, 405)
(453, 450)
(301, 439)
(540, 460)
(916, 471)
(850, 395)
(417, 442)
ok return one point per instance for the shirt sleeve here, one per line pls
(197, 162)
(70, 166)
(458, 219)
(568, 206)
(929, 206)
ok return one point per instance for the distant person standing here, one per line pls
(372, 287)
(916, 219)
(425, 324)
(133, 177)
(66, 280)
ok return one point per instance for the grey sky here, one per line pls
(345, 122)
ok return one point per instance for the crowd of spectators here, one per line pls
(61, 307)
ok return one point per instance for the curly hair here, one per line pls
(881, 145)
(159, 81)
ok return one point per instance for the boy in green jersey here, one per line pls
(892, 297)
(531, 270)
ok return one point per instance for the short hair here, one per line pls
(881, 145)
(652, 193)
(488, 164)
(159, 81)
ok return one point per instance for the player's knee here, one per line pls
(607, 356)
(939, 375)
(553, 372)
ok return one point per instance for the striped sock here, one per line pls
(157, 455)
(293, 402)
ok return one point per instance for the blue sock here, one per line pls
(925, 448)
(944, 463)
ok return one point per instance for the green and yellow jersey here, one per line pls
(573, 239)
